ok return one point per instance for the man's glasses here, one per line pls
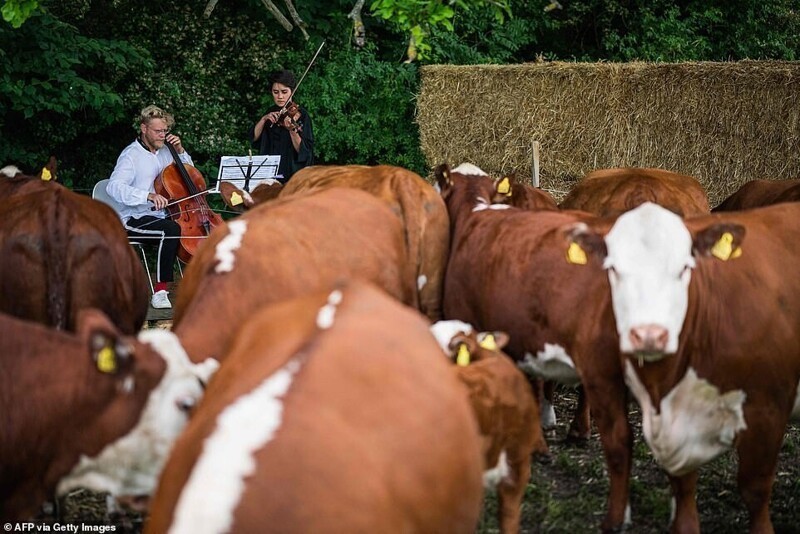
(165, 131)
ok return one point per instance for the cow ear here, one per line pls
(103, 342)
(494, 341)
(443, 177)
(583, 242)
(233, 197)
(722, 240)
(462, 349)
(48, 172)
(505, 185)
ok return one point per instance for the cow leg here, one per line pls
(580, 430)
(758, 450)
(545, 390)
(685, 519)
(511, 490)
(609, 408)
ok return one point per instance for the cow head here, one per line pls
(239, 200)
(649, 256)
(131, 464)
(463, 345)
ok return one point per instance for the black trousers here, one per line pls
(161, 233)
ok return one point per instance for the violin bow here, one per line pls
(303, 76)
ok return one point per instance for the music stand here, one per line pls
(247, 172)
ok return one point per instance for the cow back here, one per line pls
(372, 431)
(759, 193)
(414, 200)
(63, 252)
(282, 249)
(611, 192)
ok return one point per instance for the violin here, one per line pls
(184, 187)
(292, 111)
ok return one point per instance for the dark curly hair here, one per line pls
(283, 77)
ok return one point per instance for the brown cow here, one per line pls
(609, 192)
(283, 249)
(507, 190)
(413, 199)
(709, 324)
(333, 412)
(512, 270)
(508, 414)
(761, 193)
(14, 182)
(240, 201)
(62, 252)
(94, 409)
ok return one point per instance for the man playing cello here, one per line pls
(132, 185)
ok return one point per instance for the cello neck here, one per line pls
(187, 180)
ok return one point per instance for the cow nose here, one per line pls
(649, 338)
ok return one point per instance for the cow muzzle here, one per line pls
(649, 342)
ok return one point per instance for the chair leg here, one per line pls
(147, 269)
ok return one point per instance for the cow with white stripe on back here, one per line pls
(333, 412)
(709, 328)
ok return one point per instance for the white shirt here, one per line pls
(133, 177)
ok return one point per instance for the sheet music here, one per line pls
(236, 169)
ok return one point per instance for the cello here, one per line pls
(184, 187)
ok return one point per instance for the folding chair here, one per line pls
(99, 193)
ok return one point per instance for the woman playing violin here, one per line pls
(285, 129)
(131, 185)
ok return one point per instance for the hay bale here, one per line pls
(723, 123)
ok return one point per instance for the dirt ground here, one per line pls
(568, 494)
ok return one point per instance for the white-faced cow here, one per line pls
(609, 192)
(62, 252)
(520, 271)
(759, 193)
(709, 323)
(282, 249)
(93, 409)
(507, 412)
(333, 412)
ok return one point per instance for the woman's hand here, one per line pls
(271, 117)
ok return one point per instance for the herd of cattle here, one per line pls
(348, 353)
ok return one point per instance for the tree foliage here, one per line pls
(76, 73)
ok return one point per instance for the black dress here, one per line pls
(275, 141)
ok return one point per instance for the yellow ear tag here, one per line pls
(576, 255)
(723, 248)
(488, 342)
(46, 176)
(236, 199)
(106, 361)
(504, 187)
(462, 358)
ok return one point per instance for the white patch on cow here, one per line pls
(132, 464)
(694, 423)
(215, 487)
(421, 281)
(626, 519)
(469, 169)
(552, 363)
(326, 314)
(796, 409)
(483, 204)
(649, 262)
(493, 477)
(445, 331)
(547, 415)
(231, 242)
(10, 171)
(673, 508)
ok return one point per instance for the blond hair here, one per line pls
(154, 112)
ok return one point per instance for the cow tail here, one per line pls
(55, 247)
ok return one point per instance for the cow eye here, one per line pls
(687, 269)
(613, 275)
